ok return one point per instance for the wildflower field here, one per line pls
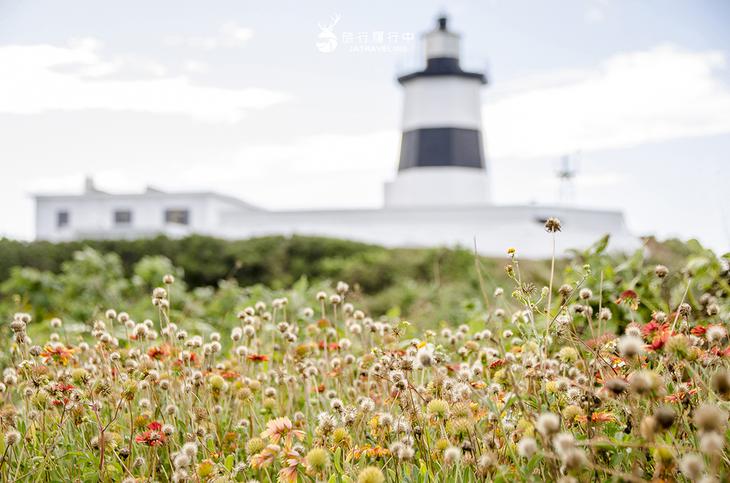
(600, 368)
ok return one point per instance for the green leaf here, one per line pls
(600, 245)
(338, 460)
(229, 462)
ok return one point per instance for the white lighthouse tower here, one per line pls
(441, 155)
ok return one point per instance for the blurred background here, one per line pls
(593, 104)
(635, 94)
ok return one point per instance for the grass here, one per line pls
(616, 369)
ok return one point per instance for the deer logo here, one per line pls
(327, 40)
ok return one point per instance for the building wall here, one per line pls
(92, 215)
(438, 186)
(494, 228)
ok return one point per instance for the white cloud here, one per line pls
(195, 66)
(74, 77)
(323, 170)
(229, 35)
(629, 99)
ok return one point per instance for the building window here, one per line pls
(178, 217)
(122, 217)
(62, 219)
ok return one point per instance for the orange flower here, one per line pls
(158, 352)
(597, 417)
(371, 451)
(57, 353)
(257, 357)
(680, 396)
(378, 452)
(230, 375)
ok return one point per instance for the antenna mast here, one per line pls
(566, 173)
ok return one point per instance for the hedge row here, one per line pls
(275, 261)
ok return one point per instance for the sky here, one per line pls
(253, 99)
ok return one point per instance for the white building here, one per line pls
(440, 195)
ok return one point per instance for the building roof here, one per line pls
(149, 192)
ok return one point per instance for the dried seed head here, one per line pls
(371, 474)
(720, 383)
(709, 417)
(630, 346)
(548, 424)
(692, 466)
(552, 225)
(527, 447)
(665, 417)
(616, 386)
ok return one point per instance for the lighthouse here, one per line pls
(442, 153)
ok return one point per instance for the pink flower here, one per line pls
(265, 457)
(279, 428)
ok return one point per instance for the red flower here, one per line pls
(257, 357)
(61, 392)
(62, 387)
(153, 436)
(629, 296)
(660, 339)
(332, 346)
(720, 352)
(497, 363)
(653, 326)
(658, 333)
(699, 330)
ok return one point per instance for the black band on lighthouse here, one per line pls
(443, 66)
(441, 146)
